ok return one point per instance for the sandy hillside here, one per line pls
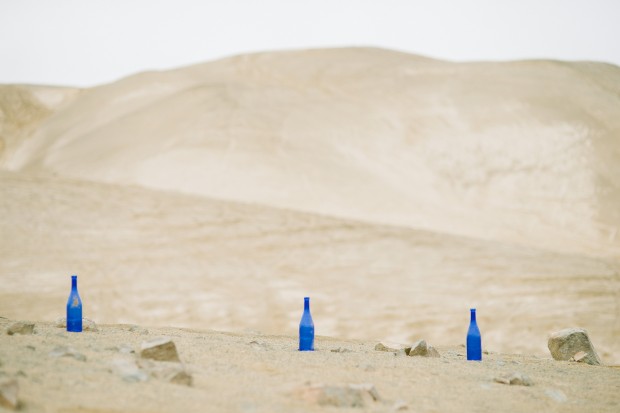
(524, 152)
(397, 191)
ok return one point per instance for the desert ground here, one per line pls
(395, 190)
(103, 371)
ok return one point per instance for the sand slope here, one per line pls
(165, 259)
(525, 152)
(23, 108)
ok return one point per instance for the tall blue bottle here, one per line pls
(74, 308)
(306, 328)
(474, 342)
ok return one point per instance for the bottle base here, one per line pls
(74, 326)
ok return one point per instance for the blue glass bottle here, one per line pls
(306, 328)
(74, 308)
(474, 342)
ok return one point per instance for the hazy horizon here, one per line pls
(74, 43)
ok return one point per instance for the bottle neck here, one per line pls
(74, 282)
(307, 304)
(473, 314)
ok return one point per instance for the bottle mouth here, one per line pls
(73, 277)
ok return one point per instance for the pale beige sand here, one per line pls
(396, 191)
(166, 259)
(261, 373)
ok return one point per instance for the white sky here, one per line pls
(87, 42)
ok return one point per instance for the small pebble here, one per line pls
(391, 347)
(351, 395)
(557, 395)
(340, 350)
(515, 378)
(9, 390)
(63, 351)
(21, 328)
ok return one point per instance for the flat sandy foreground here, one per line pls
(98, 372)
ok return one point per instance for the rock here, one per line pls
(340, 350)
(514, 378)
(385, 346)
(557, 395)
(258, 346)
(64, 351)
(20, 328)
(420, 348)
(9, 390)
(566, 343)
(89, 325)
(181, 377)
(351, 395)
(160, 349)
(139, 330)
(125, 349)
(367, 367)
(128, 370)
(167, 371)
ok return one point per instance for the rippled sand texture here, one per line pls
(396, 191)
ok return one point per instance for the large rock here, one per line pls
(351, 395)
(565, 344)
(9, 389)
(421, 348)
(20, 328)
(160, 349)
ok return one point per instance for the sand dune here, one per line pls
(396, 190)
(523, 152)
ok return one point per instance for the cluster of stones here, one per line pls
(419, 348)
(362, 395)
(159, 359)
